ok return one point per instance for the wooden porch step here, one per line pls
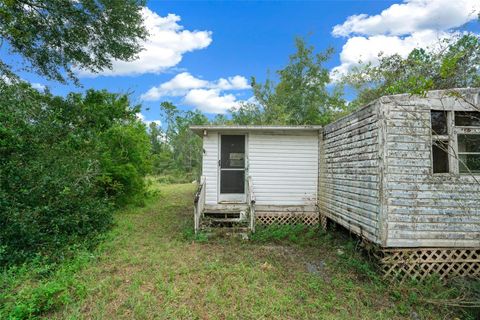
(220, 211)
(234, 220)
(225, 207)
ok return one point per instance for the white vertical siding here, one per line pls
(284, 168)
(350, 175)
(210, 166)
(426, 210)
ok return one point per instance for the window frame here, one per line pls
(452, 139)
(464, 131)
(449, 139)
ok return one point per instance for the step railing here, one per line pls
(251, 203)
(199, 204)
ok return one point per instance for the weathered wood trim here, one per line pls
(349, 173)
(382, 114)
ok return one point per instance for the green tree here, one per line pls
(156, 135)
(184, 146)
(63, 163)
(221, 119)
(455, 64)
(300, 96)
(125, 161)
(54, 35)
(252, 114)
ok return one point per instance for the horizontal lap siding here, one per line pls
(424, 210)
(349, 172)
(210, 166)
(284, 168)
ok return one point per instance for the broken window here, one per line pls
(440, 157)
(440, 141)
(439, 122)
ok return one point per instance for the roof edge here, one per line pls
(198, 129)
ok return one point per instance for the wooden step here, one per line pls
(220, 211)
(235, 220)
(225, 207)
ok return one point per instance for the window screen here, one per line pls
(469, 153)
(232, 181)
(233, 151)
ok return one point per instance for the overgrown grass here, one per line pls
(152, 266)
(297, 234)
(463, 295)
(175, 177)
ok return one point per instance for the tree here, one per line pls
(54, 36)
(155, 135)
(300, 96)
(455, 64)
(251, 114)
(221, 119)
(64, 163)
(125, 161)
(185, 147)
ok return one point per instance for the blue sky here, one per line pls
(211, 49)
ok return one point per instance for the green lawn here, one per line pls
(151, 267)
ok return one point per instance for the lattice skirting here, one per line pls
(307, 218)
(419, 263)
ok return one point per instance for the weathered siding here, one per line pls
(425, 210)
(284, 168)
(210, 166)
(349, 180)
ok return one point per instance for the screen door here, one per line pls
(232, 168)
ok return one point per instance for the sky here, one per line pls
(201, 55)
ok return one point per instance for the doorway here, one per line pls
(232, 168)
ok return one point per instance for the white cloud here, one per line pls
(411, 16)
(207, 96)
(365, 49)
(177, 86)
(164, 48)
(38, 86)
(211, 100)
(184, 82)
(232, 83)
(401, 28)
(5, 79)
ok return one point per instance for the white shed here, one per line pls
(277, 166)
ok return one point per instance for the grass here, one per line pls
(151, 266)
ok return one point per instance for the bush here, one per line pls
(125, 161)
(56, 155)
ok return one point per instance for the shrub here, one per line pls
(125, 161)
(55, 156)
